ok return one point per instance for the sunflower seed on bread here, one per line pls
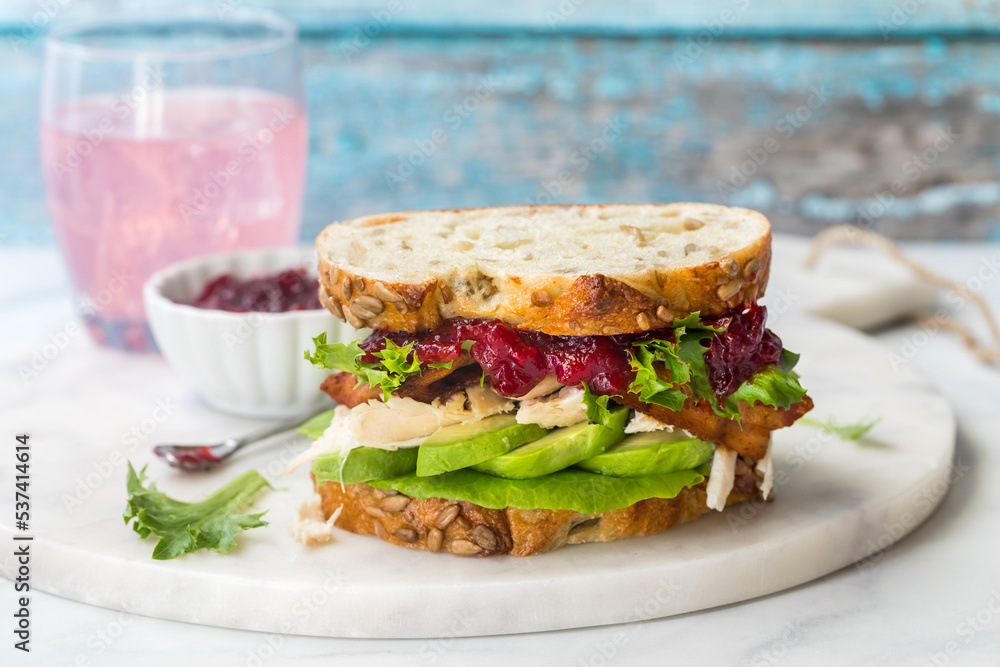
(511, 531)
(565, 270)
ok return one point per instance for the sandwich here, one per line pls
(537, 376)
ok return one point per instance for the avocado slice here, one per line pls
(364, 464)
(462, 445)
(569, 489)
(652, 453)
(314, 428)
(559, 449)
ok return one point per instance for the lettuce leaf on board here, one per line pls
(212, 523)
(576, 490)
(850, 432)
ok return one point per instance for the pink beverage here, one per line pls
(136, 183)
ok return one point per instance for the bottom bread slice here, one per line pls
(467, 529)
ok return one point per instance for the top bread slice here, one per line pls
(562, 270)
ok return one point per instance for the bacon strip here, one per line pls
(431, 384)
(750, 440)
(451, 383)
(342, 388)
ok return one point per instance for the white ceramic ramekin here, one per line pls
(246, 363)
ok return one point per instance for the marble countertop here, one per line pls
(933, 599)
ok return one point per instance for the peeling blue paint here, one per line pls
(829, 210)
(758, 195)
(989, 103)
(555, 92)
(933, 201)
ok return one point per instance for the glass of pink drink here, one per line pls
(163, 138)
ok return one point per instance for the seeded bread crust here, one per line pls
(466, 529)
(566, 303)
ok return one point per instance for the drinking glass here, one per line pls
(164, 137)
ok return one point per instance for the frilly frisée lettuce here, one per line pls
(212, 523)
(395, 365)
(776, 385)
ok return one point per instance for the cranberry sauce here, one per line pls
(516, 360)
(293, 289)
(741, 350)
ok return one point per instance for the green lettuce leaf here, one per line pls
(334, 356)
(684, 359)
(693, 323)
(576, 490)
(395, 367)
(597, 407)
(212, 523)
(771, 386)
(775, 385)
(648, 384)
(314, 428)
(395, 363)
(852, 432)
(788, 360)
(691, 350)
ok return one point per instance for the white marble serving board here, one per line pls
(836, 502)
(859, 287)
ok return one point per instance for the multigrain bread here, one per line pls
(466, 529)
(563, 270)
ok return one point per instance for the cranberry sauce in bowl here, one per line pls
(234, 325)
(291, 289)
(516, 360)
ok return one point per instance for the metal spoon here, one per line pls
(206, 457)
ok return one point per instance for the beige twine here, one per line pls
(853, 235)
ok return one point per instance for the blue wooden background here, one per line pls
(884, 113)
